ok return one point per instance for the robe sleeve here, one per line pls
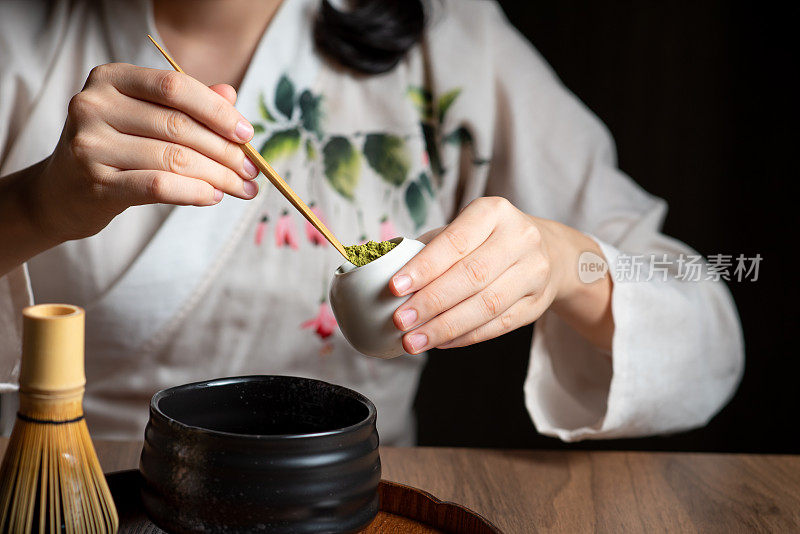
(677, 354)
(29, 36)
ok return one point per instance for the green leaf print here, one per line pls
(311, 112)
(258, 128)
(422, 100)
(459, 136)
(445, 101)
(425, 181)
(281, 144)
(284, 96)
(429, 133)
(415, 202)
(264, 110)
(463, 137)
(388, 156)
(342, 165)
(311, 151)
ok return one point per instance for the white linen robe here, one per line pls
(176, 295)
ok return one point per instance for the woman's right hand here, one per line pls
(140, 136)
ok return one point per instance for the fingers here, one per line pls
(430, 234)
(519, 314)
(466, 277)
(473, 312)
(148, 187)
(156, 155)
(179, 91)
(144, 119)
(471, 228)
(225, 91)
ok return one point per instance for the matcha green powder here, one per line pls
(361, 255)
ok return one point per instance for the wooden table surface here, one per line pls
(582, 491)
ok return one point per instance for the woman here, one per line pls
(124, 192)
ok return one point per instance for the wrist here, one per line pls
(37, 202)
(564, 245)
(20, 225)
(585, 304)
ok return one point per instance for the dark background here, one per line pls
(700, 99)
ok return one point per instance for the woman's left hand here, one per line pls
(490, 271)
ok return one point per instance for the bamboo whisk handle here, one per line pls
(52, 348)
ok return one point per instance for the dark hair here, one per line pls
(373, 36)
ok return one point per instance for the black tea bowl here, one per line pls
(277, 454)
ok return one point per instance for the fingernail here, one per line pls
(407, 318)
(417, 341)
(244, 130)
(250, 169)
(217, 195)
(250, 188)
(401, 282)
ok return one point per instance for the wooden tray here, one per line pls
(403, 510)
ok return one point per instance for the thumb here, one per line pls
(225, 91)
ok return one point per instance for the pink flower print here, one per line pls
(426, 160)
(284, 231)
(261, 228)
(324, 323)
(312, 233)
(387, 229)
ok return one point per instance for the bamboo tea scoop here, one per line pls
(274, 178)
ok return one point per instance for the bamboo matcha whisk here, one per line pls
(50, 479)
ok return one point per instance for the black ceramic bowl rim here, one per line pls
(157, 413)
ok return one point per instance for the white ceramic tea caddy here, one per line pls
(363, 304)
